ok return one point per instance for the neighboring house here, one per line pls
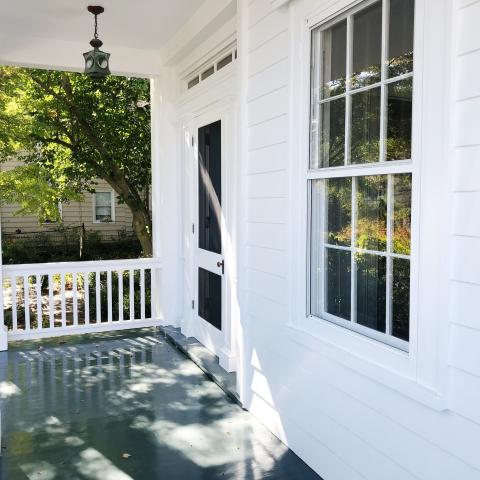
(98, 211)
(316, 198)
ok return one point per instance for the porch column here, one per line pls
(166, 198)
(3, 328)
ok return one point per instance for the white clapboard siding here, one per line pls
(344, 424)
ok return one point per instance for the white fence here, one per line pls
(52, 299)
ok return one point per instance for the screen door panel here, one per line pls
(210, 267)
(210, 297)
(210, 187)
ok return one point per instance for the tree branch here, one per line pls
(53, 140)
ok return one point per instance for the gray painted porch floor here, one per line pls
(121, 406)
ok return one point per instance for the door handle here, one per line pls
(221, 264)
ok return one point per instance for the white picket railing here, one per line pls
(52, 299)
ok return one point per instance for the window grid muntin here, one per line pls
(388, 254)
(381, 167)
(383, 84)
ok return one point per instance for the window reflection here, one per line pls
(371, 291)
(337, 285)
(372, 213)
(402, 212)
(332, 152)
(339, 211)
(365, 137)
(401, 298)
(367, 46)
(334, 54)
(399, 121)
(400, 58)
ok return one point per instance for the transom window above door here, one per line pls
(360, 176)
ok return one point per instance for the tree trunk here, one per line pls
(143, 230)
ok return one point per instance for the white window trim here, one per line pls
(383, 168)
(94, 206)
(420, 372)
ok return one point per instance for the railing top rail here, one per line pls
(69, 267)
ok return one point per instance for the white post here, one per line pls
(166, 200)
(3, 328)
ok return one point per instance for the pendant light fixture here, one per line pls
(96, 61)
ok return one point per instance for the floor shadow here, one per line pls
(127, 406)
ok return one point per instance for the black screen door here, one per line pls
(211, 262)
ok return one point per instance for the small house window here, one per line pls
(103, 207)
(360, 176)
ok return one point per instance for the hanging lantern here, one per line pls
(96, 61)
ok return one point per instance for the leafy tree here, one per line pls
(70, 130)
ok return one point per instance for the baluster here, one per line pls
(142, 294)
(86, 298)
(38, 289)
(120, 295)
(51, 312)
(26, 301)
(132, 296)
(75, 299)
(109, 295)
(97, 297)
(153, 294)
(64, 307)
(14, 303)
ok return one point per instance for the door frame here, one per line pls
(220, 343)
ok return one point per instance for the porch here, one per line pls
(63, 400)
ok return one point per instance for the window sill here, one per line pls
(353, 351)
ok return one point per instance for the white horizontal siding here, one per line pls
(465, 343)
(464, 359)
(360, 408)
(267, 210)
(268, 159)
(268, 133)
(268, 106)
(467, 169)
(465, 304)
(343, 424)
(466, 397)
(267, 235)
(268, 80)
(269, 286)
(268, 261)
(264, 185)
(268, 28)
(268, 54)
(468, 39)
(466, 208)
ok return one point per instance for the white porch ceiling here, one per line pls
(141, 24)
(141, 35)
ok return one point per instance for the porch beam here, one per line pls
(278, 3)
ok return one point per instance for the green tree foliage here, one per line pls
(70, 130)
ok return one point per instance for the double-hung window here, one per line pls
(103, 207)
(360, 176)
